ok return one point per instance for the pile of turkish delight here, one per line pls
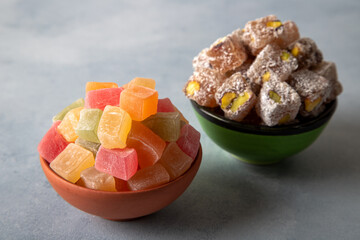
(120, 138)
(264, 70)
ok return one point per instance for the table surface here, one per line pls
(48, 51)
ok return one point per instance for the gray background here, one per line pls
(48, 51)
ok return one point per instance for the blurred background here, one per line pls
(50, 49)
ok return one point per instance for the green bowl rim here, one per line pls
(305, 125)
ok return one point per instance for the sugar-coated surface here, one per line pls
(121, 185)
(269, 60)
(149, 146)
(114, 127)
(99, 85)
(328, 71)
(50, 49)
(308, 54)
(52, 143)
(270, 111)
(209, 80)
(140, 102)
(165, 124)
(257, 33)
(149, 177)
(67, 126)
(72, 161)
(310, 86)
(175, 161)
(91, 146)
(145, 82)
(290, 34)
(237, 85)
(101, 97)
(189, 140)
(165, 105)
(77, 103)
(120, 163)
(94, 179)
(88, 124)
(227, 53)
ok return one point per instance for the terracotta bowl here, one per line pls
(121, 205)
(258, 144)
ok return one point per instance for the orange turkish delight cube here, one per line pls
(140, 102)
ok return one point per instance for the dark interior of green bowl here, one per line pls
(215, 115)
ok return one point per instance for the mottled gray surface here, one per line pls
(48, 51)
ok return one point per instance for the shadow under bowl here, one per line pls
(121, 205)
(258, 144)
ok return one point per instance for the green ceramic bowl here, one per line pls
(259, 144)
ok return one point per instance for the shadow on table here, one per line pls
(333, 155)
(213, 200)
(242, 194)
(209, 204)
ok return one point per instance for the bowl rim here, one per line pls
(282, 130)
(46, 164)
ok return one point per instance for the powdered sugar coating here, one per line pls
(310, 86)
(269, 60)
(243, 68)
(257, 35)
(308, 53)
(270, 111)
(201, 61)
(328, 71)
(209, 81)
(227, 53)
(236, 84)
(289, 35)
